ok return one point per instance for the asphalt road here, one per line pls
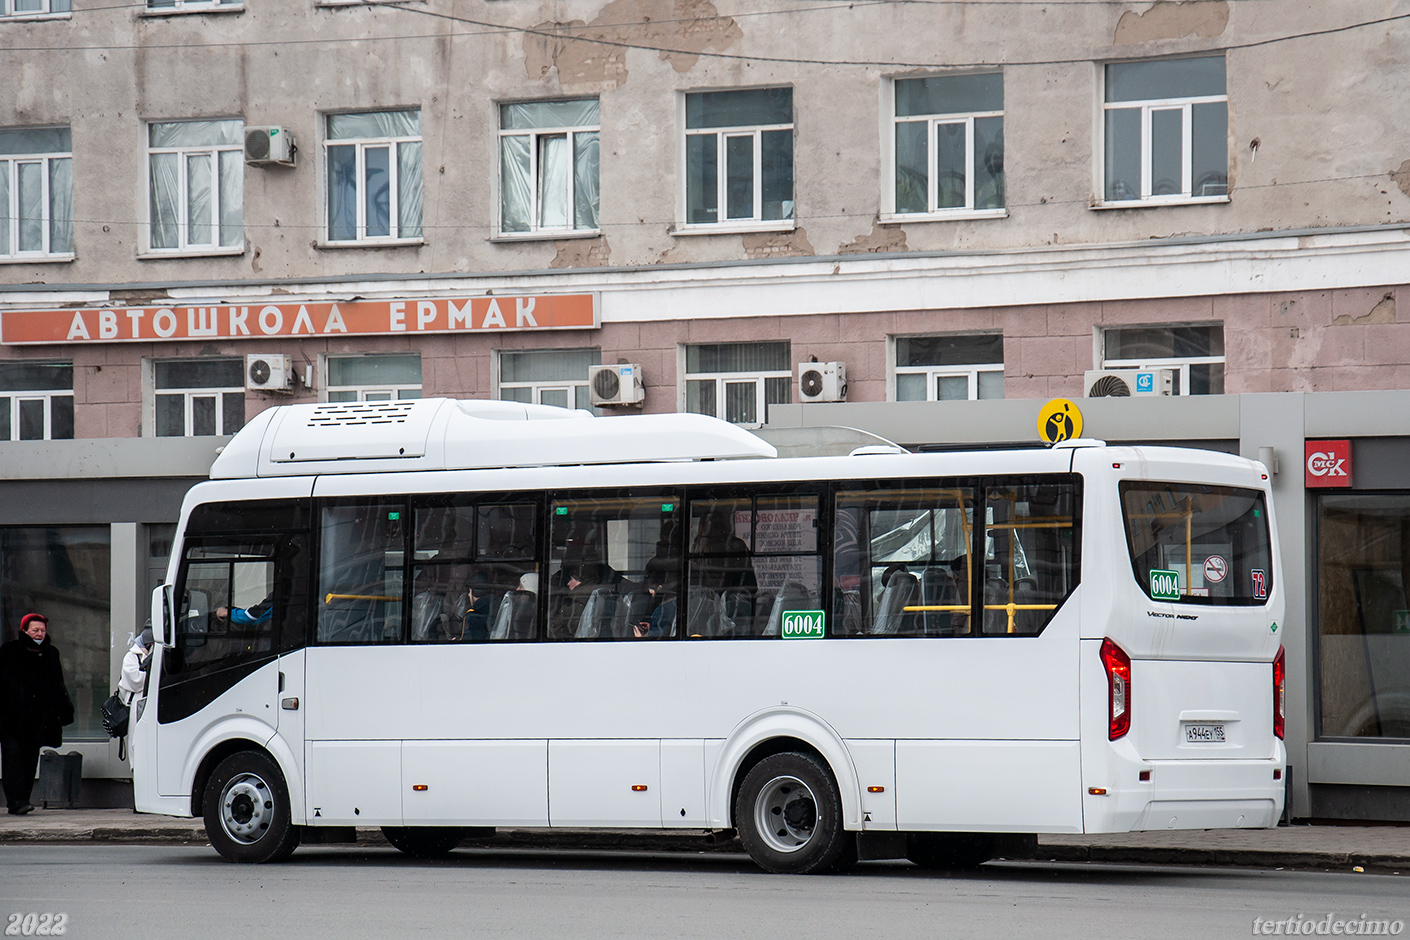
(153, 892)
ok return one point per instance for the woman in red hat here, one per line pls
(34, 706)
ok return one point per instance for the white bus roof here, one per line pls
(449, 434)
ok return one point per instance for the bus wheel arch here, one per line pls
(788, 811)
(246, 806)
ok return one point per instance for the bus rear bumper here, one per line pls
(1193, 794)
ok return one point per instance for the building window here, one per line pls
(199, 397)
(949, 141)
(949, 368)
(66, 572)
(373, 378)
(548, 166)
(739, 156)
(196, 185)
(1363, 616)
(548, 376)
(36, 192)
(374, 176)
(1166, 129)
(34, 7)
(177, 6)
(1195, 353)
(738, 381)
(36, 401)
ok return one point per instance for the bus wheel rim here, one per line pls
(246, 808)
(786, 814)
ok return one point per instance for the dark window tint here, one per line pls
(199, 373)
(738, 357)
(1164, 342)
(751, 107)
(275, 515)
(973, 349)
(35, 376)
(361, 564)
(1198, 544)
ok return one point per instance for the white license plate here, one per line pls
(1204, 734)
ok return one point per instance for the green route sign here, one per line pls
(1165, 585)
(802, 625)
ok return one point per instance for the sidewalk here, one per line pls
(1373, 848)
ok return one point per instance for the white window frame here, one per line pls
(933, 121)
(721, 379)
(362, 145)
(538, 387)
(756, 221)
(384, 391)
(150, 392)
(12, 163)
(1180, 364)
(1148, 107)
(184, 245)
(193, 6)
(8, 11)
(534, 135)
(47, 396)
(969, 372)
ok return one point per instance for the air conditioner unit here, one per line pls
(616, 385)
(822, 381)
(267, 372)
(265, 145)
(1125, 383)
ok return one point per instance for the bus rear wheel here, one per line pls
(952, 851)
(424, 841)
(789, 816)
(246, 809)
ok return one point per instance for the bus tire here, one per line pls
(949, 851)
(789, 816)
(424, 841)
(247, 812)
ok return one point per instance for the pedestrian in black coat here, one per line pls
(34, 707)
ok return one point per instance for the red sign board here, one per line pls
(292, 320)
(1327, 464)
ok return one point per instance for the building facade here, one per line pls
(210, 207)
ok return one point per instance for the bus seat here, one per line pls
(794, 595)
(427, 616)
(900, 592)
(597, 612)
(523, 608)
(499, 624)
(632, 609)
(1025, 591)
(996, 591)
(939, 588)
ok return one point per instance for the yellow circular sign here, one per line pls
(1059, 421)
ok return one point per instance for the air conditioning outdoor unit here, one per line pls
(822, 381)
(616, 385)
(1124, 383)
(265, 145)
(268, 372)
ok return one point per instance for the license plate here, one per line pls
(1204, 734)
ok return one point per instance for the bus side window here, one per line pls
(1030, 563)
(227, 607)
(901, 562)
(360, 572)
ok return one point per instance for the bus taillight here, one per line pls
(1118, 683)
(1279, 690)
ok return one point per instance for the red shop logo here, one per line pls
(1328, 464)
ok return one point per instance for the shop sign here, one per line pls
(262, 320)
(1328, 464)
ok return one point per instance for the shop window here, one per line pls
(547, 376)
(36, 193)
(196, 181)
(548, 163)
(36, 401)
(1363, 557)
(739, 156)
(737, 381)
(65, 573)
(374, 176)
(1166, 131)
(949, 144)
(198, 397)
(1195, 353)
(950, 368)
(34, 7)
(373, 378)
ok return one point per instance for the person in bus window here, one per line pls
(252, 616)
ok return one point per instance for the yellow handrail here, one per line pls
(329, 598)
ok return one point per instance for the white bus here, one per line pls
(438, 617)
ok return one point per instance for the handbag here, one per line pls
(115, 715)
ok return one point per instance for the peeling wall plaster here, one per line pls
(1203, 18)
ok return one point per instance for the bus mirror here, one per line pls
(161, 614)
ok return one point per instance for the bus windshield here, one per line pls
(1198, 544)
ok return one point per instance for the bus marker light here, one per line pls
(1116, 466)
(419, 787)
(1278, 773)
(289, 704)
(1097, 791)
(638, 788)
(1145, 776)
(876, 789)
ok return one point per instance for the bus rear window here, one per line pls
(1198, 544)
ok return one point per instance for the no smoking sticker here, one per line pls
(1216, 569)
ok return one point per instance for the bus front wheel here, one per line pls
(789, 816)
(246, 808)
(424, 841)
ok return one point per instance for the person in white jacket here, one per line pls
(134, 665)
